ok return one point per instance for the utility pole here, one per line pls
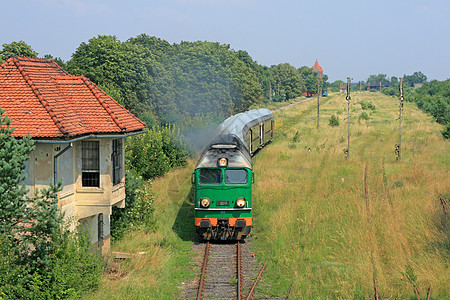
(400, 108)
(270, 91)
(318, 94)
(348, 116)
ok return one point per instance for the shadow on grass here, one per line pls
(184, 222)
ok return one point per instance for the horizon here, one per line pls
(349, 39)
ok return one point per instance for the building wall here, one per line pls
(82, 203)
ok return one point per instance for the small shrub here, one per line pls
(446, 132)
(363, 116)
(296, 137)
(154, 153)
(341, 140)
(367, 105)
(334, 121)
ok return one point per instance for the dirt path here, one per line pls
(290, 105)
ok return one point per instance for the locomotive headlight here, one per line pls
(222, 162)
(240, 202)
(204, 202)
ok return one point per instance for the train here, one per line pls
(223, 177)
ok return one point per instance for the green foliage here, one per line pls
(416, 77)
(57, 60)
(296, 137)
(310, 79)
(367, 105)
(287, 82)
(164, 83)
(13, 154)
(125, 67)
(139, 208)
(16, 49)
(378, 78)
(152, 154)
(334, 121)
(363, 116)
(446, 131)
(39, 257)
(434, 98)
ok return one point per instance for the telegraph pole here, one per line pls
(348, 116)
(400, 108)
(318, 93)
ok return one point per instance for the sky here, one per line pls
(349, 38)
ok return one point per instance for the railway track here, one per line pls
(222, 273)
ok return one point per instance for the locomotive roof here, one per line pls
(228, 146)
(240, 124)
(229, 140)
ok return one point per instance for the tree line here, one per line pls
(167, 83)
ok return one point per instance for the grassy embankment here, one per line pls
(159, 273)
(311, 217)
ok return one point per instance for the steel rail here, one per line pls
(201, 282)
(290, 292)
(252, 290)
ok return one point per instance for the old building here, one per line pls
(317, 68)
(79, 133)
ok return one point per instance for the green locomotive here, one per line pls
(223, 176)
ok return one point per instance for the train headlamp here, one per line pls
(204, 202)
(223, 162)
(240, 202)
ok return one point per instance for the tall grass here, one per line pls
(311, 218)
(161, 261)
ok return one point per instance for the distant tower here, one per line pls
(318, 69)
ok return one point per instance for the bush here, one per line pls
(367, 105)
(154, 153)
(446, 132)
(363, 116)
(39, 257)
(334, 121)
(139, 208)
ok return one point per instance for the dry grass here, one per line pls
(311, 219)
(167, 263)
(311, 216)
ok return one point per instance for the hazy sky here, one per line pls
(349, 38)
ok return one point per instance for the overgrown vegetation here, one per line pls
(39, 257)
(367, 105)
(318, 238)
(432, 97)
(334, 121)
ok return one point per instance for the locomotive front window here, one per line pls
(210, 176)
(235, 176)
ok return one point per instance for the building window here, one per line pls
(117, 161)
(90, 170)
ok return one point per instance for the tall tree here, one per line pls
(287, 82)
(16, 49)
(310, 78)
(416, 77)
(378, 78)
(122, 66)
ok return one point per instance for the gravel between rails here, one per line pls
(220, 281)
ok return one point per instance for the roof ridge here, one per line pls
(39, 96)
(91, 86)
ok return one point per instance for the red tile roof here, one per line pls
(316, 65)
(44, 100)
